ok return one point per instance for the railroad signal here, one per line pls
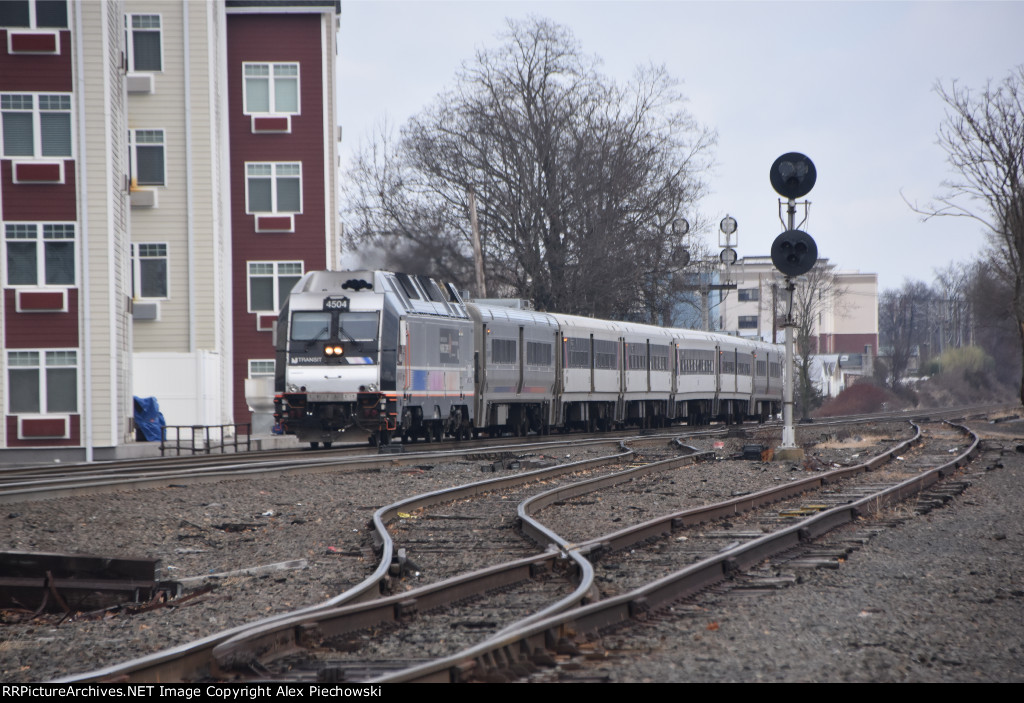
(794, 252)
(681, 257)
(793, 175)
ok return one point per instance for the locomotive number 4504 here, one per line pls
(336, 302)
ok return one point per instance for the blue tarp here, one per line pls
(148, 418)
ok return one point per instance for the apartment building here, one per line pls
(167, 169)
(847, 320)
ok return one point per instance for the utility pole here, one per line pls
(478, 254)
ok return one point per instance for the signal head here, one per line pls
(793, 175)
(794, 252)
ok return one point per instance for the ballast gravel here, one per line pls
(211, 529)
(858, 623)
(936, 598)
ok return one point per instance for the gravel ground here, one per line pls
(205, 529)
(693, 485)
(938, 598)
(322, 518)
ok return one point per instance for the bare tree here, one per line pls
(903, 315)
(993, 327)
(950, 290)
(578, 180)
(817, 294)
(983, 137)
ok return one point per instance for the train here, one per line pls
(379, 355)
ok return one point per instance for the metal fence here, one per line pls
(205, 439)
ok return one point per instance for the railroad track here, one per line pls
(182, 662)
(688, 543)
(40, 484)
(19, 483)
(522, 647)
(412, 551)
(315, 649)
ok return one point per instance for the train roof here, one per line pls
(426, 295)
(488, 313)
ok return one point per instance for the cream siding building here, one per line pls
(847, 322)
(180, 203)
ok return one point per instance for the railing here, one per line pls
(210, 438)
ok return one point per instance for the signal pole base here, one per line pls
(789, 454)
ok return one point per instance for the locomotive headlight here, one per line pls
(333, 351)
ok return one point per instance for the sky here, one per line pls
(849, 84)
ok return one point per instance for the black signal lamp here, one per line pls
(794, 252)
(793, 175)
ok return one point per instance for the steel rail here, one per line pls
(515, 645)
(147, 668)
(182, 662)
(75, 484)
(22, 471)
(255, 649)
(389, 512)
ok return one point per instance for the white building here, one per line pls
(847, 323)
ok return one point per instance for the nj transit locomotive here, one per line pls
(384, 355)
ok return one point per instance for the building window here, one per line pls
(147, 155)
(145, 48)
(41, 14)
(273, 188)
(149, 270)
(261, 367)
(35, 261)
(36, 125)
(748, 294)
(271, 88)
(748, 322)
(270, 282)
(42, 382)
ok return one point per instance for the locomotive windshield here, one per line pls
(311, 325)
(358, 326)
(344, 326)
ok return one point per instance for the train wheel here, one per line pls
(327, 445)
(438, 431)
(314, 445)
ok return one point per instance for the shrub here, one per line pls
(971, 361)
(863, 397)
(963, 376)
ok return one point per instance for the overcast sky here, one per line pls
(850, 84)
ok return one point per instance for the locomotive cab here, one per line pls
(331, 339)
